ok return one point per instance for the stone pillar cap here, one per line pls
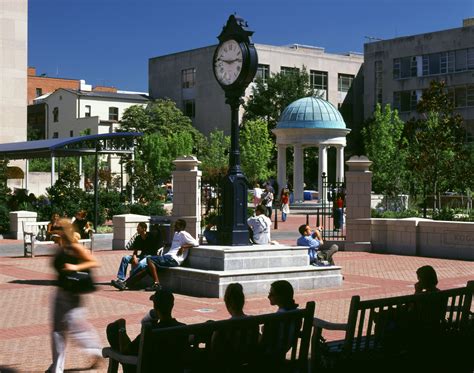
(356, 163)
(186, 163)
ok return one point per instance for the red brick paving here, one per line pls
(25, 296)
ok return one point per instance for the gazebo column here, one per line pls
(281, 167)
(340, 163)
(323, 168)
(298, 179)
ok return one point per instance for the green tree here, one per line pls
(168, 134)
(382, 137)
(65, 195)
(271, 97)
(215, 161)
(256, 148)
(435, 142)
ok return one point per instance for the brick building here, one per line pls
(42, 84)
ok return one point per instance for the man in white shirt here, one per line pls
(260, 225)
(177, 254)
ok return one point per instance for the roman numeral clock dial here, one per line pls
(228, 62)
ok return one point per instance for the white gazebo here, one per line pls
(310, 122)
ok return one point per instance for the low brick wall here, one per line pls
(423, 237)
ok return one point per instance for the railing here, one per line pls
(330, 213)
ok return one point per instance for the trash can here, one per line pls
(161, 227)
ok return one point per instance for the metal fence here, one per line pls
(330, 212)
(210, 200)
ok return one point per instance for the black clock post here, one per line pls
(234, 65)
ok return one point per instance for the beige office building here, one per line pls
(396, 71)
(187, 78)
(13, 68)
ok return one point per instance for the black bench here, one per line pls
(425, 330)
(277, 342)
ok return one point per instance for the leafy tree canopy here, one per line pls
(256, 149)
(382, 138)
(215, 160)
(270, 98)
(168, 134)
(435, 142)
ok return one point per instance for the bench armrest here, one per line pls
(323, 324)
(109, 352)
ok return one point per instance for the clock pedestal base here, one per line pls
(233, 229)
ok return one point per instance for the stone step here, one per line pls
(224, 258)
(208, 283)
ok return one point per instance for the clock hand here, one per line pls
(229, 61)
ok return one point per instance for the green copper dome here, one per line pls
(311, 112)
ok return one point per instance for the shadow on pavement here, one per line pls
(33, 282)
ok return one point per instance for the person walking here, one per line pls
(68, 313)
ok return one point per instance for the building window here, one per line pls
(462, 96)
(88, 111)
(289, 70)
(39, 92)
(263, 73)
(55, 135)
(55, 114)
(189, 108)
(378, 81)
(405, 100)
(404, 67)
(318, 81)
(344, 82)
(113, 113)
(71, 133)
(188, 78)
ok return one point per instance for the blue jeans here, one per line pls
(164, 261)
(312, 255)
(122, 272)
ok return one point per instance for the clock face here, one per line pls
(228, 62)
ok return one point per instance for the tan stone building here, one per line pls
(13, 63)
(396, 71)
(187, 78)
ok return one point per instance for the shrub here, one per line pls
(395, 214)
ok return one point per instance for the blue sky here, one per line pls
(109, 42)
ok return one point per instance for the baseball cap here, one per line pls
(163, 297)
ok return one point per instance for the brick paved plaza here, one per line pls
(26, 290)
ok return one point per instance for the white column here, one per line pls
(323, 167)
(281, 167)
(298, 177)
(340, 163)
(52, 171)
(27, 171)
(81, 175)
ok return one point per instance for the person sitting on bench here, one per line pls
(177, 254)
(81, 225)
(163, 302)
(147, 245)
(314, 241)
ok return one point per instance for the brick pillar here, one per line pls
(187, 193)
(358, 195)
